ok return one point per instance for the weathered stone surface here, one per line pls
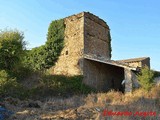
(70, 61)
(84, 33)
(96, 36)
(137, 62)
(131, 80)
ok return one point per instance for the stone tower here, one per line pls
(87, 52)
(85, 34)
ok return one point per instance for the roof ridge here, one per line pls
(133, 59)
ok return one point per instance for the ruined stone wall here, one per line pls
(96, 41)
(70, 61)
(85, 33)
(103, 77)
(146, 62)
(135, 64)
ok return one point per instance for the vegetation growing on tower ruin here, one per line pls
(45, 56)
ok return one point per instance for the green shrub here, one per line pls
(45, 56)
(10, 87)
(11, 49)
(55, 38)
(36, 58)
(146, 78)
(55, 85)
(22, 73)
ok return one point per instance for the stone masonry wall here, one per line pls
(142, 63)
(96, 40)
(146, 62)
(135, 64)
(70, 61)
(85, 33)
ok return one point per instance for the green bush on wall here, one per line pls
(45, 56)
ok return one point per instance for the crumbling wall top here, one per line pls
(96, 19)
(89, 16)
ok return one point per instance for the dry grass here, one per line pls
(91, 106)
(139, 100)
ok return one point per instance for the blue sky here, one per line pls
(135, 25)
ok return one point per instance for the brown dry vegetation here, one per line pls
(88, 107)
